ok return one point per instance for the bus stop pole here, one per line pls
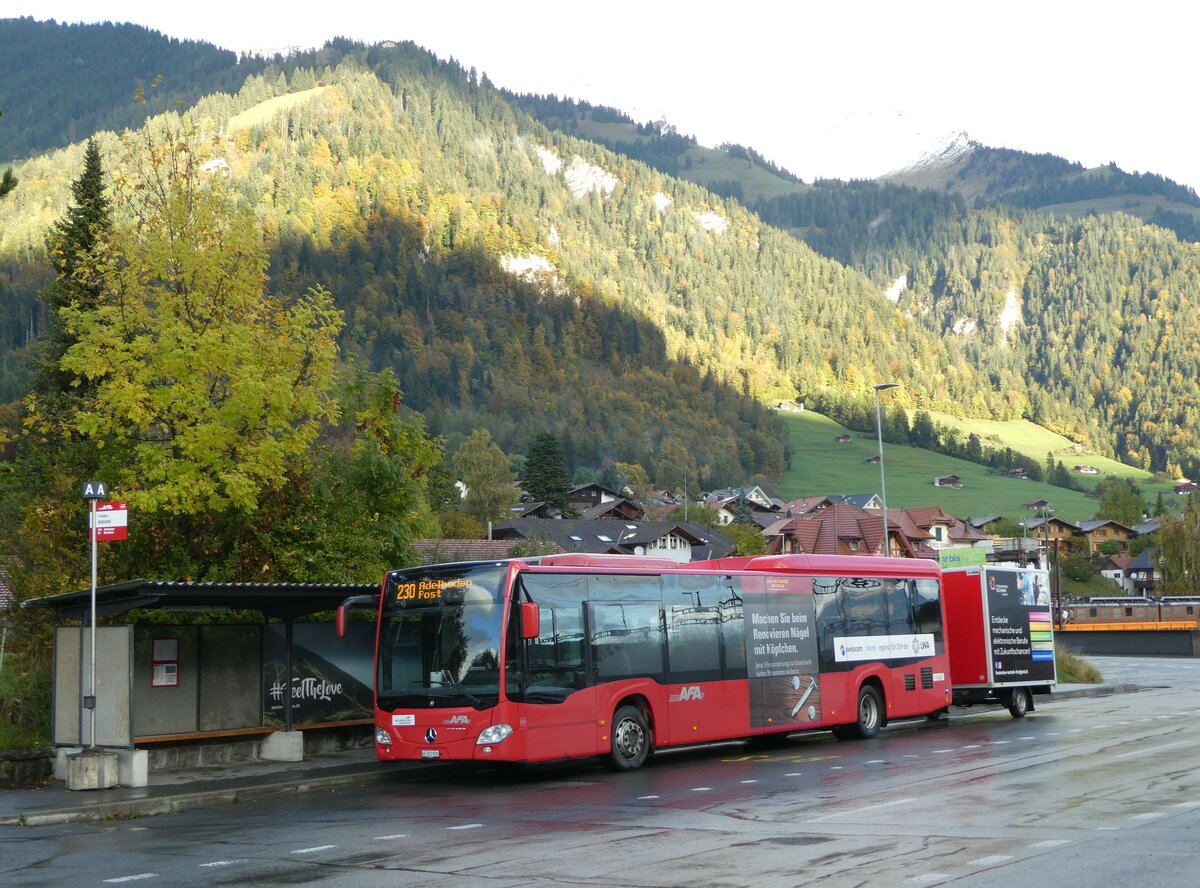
(90, 702)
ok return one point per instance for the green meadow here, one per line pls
(821, 467)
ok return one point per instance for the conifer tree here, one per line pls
(73, 247)
(546, 478)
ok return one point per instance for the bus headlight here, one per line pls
(493, 734)
(382, 737)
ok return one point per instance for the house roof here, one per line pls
(613, 536)
(443, 551)
(1119, 562)
(613, 508)
(861, 500)
(594, 485)
(1090, 524)
(1147, 559)
(1149, 526)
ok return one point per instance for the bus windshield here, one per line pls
(439, 638)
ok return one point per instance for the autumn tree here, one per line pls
(206, 384)
(484, 470)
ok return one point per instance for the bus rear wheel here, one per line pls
(870, 716)
(1018, 702)
(630, 740)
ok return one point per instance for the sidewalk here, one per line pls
(171, 791)
(175, 790)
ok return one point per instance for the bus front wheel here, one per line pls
(630, 740)
(870, 716)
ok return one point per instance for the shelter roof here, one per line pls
(281, 600)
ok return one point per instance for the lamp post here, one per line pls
(880, 386)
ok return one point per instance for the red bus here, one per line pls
(616, 656)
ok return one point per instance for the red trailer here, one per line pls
(1000, 635)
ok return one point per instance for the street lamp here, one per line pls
(880, 386)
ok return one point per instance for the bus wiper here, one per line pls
(448, 678)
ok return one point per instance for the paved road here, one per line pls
(1102, 790)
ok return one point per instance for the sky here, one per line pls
(834, 89)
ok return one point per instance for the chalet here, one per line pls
(1020, 473)
(1144, 573)
(619, 509)
(1097, 531)
(843, 439)
(1147, 527)
(585, 496)
(678, 540)
(1183, 487)
(1054, 529)
(1087, 470)
(1117, 570)
(532, 509)
(841, 529)
(755, 495)
(948, 481)
(872, 460)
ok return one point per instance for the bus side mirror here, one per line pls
(343, 611)
(530, 620)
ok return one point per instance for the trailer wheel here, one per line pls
(630, 740)
(1019, 702)
(870, 717)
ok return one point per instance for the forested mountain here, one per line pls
(522, 279)
(1042, 273)
(61, 83)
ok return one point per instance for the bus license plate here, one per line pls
(431, 753)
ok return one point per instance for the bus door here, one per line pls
(706, 658)
(627, 647)
(550, 677)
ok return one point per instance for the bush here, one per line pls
(1073, 669)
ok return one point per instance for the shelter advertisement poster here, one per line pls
(781, 652)
(331, 676)
(1020, 627)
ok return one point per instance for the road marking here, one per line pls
(314, 849)
(971, 746)
(864, 809)
(1050, 843)
(993, 860)
(466, 826)
(644, 798)
(749, 781)
(224, 862)
(701, 789)
(1027, 738)
(909, 755)
(393, 836)
(1000, 742)
(136, 878)
(926, 879)
(877, 762)
(835, 767)
(1052, 733)
(1147, 815)
(793, 774)
(942, 751)
(1151, 751)
(1107, 828)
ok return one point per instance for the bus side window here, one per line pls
(693, 627)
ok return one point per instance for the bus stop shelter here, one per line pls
(264, 667)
